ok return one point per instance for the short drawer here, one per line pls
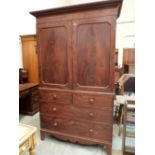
(35, 92)
(55, 96)
(93, 101)
(35, 99)
(72, 126)
(35, 106)
(24, 94)
(55, 109)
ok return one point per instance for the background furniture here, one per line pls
(30, 57)
(23, 75)
(76, 59)
(129, 60)
(118, 73)
(28, 98)
(129, 85)
(27, 139)
(126, 84)
(116, 57)
(128, 145)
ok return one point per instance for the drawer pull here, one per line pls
(91, 114)
(55, 124)
(91, 130)
(91, 100)
(35, 99)
(54, 97)
(72, 122)
(54, 109)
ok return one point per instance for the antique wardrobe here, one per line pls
(76, 46)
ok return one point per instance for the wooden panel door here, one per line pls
(93, 47)
(54, 54)
(30, 57)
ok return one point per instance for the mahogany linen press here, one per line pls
(76, 46)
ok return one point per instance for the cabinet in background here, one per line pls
(129, 56)
(30, 57)
(129, 60)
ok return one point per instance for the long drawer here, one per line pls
(93, 101)
(89, 114)
(75, 127)
(56, 96)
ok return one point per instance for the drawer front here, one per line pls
(24, 94)
(34, 91)
(95, 115)
(34, 99)
(35, 102)
(94, 101)
(35, 106)
(88, 114)
(75, 127)
(55, 109)
(56, 96)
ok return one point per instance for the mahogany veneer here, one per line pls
(76, 47)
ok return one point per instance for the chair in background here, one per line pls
(126, 84)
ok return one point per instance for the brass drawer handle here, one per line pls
(91, 130)
(54, 109)
(91, 100)
(55, 124)
(54, 97)
(91, 114)
(72, 122)
(35, 99)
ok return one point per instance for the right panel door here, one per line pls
(93, 54)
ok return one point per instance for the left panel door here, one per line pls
(54, 40)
